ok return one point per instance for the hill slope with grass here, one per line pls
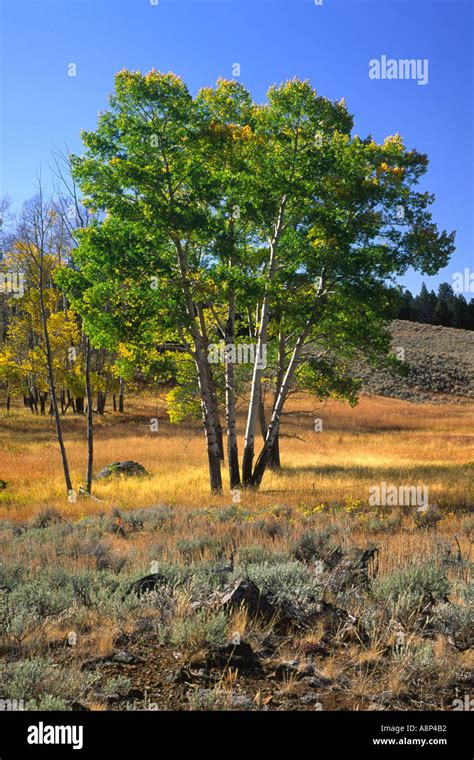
(439, 361)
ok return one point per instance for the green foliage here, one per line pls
(187, 192)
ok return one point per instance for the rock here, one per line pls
(125, 658)
(241, 702)
(309, 699)
(240, 656)
(246, 593)
(147, 584)
(135, 694)
(287, 670)
(128, 468)
(144, 625)
(318, 680)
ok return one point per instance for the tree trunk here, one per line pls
(247, 460)
(43, 398)
(232, 446)
(121, 395)
(201, 362)
(101, 400)
(274, 463)
(8, 402)
(33, 402)
(211, 384)
(114, 403)
(69, 401)
(90, 428)
(79, 404)
(265, 453)
(52, 389)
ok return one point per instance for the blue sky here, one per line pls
(272, 40)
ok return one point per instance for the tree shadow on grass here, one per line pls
(416, 472)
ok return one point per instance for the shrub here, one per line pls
(116, 687)
(233, 513)
(387, 525)
(46, 517)
(26, 609)
(312, 545)
(418, 664)
(201, 629)
(407, 593)
(269, 528)
(260, 555)
(196, 548)
(457, 622)
(47, 703)
(39, 681)
(287, 583)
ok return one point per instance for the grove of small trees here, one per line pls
(195, 222)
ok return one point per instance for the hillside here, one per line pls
(440, 364)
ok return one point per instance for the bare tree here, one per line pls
(37, 233)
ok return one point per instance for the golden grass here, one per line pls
(379, 440)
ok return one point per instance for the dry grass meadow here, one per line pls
(381, 439)
(366, 609)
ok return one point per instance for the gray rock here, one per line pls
(247, 593)
(126, 658)
(128, 469)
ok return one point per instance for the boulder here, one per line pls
(128, 469)
(147, 584)
(246, 593)
(125, 658)
(240, 656)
